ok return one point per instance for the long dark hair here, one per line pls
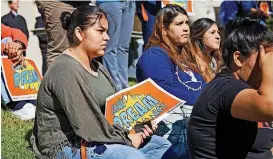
(164, 18)
(198, 29)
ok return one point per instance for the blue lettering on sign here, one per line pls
(149, 101)
(125, 119)
(25, 77)
(133, 114)
(118, 121)
(140, 109)
(16, 77)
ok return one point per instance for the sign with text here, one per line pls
(142, 102)
(186, 4)
(21, 82)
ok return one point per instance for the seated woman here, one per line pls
(224, 120)
(13, 44)
(205, 40)
(169, 62)
(70, 121)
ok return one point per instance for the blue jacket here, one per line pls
(229, 10)
(157, 65)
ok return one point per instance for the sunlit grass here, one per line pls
(14, 137)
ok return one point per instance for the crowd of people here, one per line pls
(226, 79)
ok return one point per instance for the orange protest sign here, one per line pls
(22, 82)
(140, 103)
(186, 4)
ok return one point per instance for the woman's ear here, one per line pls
(238, 59)
(164, 30)
(78, 33)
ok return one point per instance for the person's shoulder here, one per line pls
(4, 17)
(224, 83)
(21, 17)
(63, 64)
(155, 51)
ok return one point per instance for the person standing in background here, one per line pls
(51, 13)
(121, 24)
(13, 19)
(146, 12)
(42, 42)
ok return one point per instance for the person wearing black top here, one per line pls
(224, 120)
(13, 19)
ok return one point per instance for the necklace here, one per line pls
(213, 64)
(193, 79)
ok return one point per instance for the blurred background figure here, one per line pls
(146, 12)
(202, 9)
(56, 35)
(230, 10)
(39, 24)
(13, 19)
(120, 29)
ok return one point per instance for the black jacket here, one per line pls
(13, 21)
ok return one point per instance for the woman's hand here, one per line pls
(12, 48)
(14, 52)
(138, 138)
(18, 59)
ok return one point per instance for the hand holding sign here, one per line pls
(143, 102)
(139, 126)
(14, 50)
(22, 82)
(138, 138)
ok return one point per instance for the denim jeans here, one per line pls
(120, 29)
(156, 148)
(4, 94)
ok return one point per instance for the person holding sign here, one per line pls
(205, 39)
(70, 121)
(15, 47)
(13, 43)
(226, 117)
(169, 61)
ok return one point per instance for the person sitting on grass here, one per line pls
(70, 121)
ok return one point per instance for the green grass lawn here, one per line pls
(15, 135)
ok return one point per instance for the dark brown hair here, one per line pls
(186, 56)
(198, 29)
(83, 17)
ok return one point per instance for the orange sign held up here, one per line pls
(143, 102)
(186, 4)
(22, 82)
